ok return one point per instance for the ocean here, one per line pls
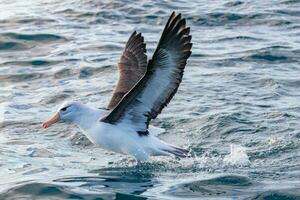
(237, 109)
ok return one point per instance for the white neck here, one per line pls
(88, 117)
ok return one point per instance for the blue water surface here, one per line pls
(237, 109)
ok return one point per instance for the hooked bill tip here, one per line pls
(51, 121)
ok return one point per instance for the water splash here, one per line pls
(237, 156)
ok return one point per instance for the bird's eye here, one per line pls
(64, 108)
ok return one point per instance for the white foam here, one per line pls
(237, 156)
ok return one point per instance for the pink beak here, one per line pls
(51, 121)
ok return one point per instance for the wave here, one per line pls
(271, 54)
(228, 18)
(37, 62)
(12, 46)
(20, 77)
(43, 37)
(39, 190)
(26, 20)
(276, 195)
(218, 186)
(240, 37)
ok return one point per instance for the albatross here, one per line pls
(144, 88)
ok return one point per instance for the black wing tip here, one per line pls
(175, 28)
(136, 41)
(174, 14)
(135, 35)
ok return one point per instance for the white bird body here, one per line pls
(143, 90)
(124, 140)
(120, 138)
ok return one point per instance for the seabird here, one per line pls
(143, 90)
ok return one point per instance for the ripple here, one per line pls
(39, 190)
(36, 21)
(19, 142)
(55, 98)
(240, 37)
(26, 20)
(63, 73)
(220, 186)
(275, 150)
(41, 152)
(229, 181)
(224, 125)
(290, 2)
(234, 3)
(117, 181)
(86, 72)
(272, 54)
(20, 77)
(35, 171)
(295, 13)
(269, 57)
(54, 191)
(38, 62)
(233, 19)
(41, 62)
(80, 140)
(221, 18)
(276, 195)
(10, 45)
(34, 37)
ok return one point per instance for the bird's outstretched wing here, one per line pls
(132, 67)
(159, 84)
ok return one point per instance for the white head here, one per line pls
(69, 111)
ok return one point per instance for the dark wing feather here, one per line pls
(161, 81)
(132, 67)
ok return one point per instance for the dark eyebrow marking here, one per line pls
(65, 108)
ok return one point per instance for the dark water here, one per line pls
(238, 107)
